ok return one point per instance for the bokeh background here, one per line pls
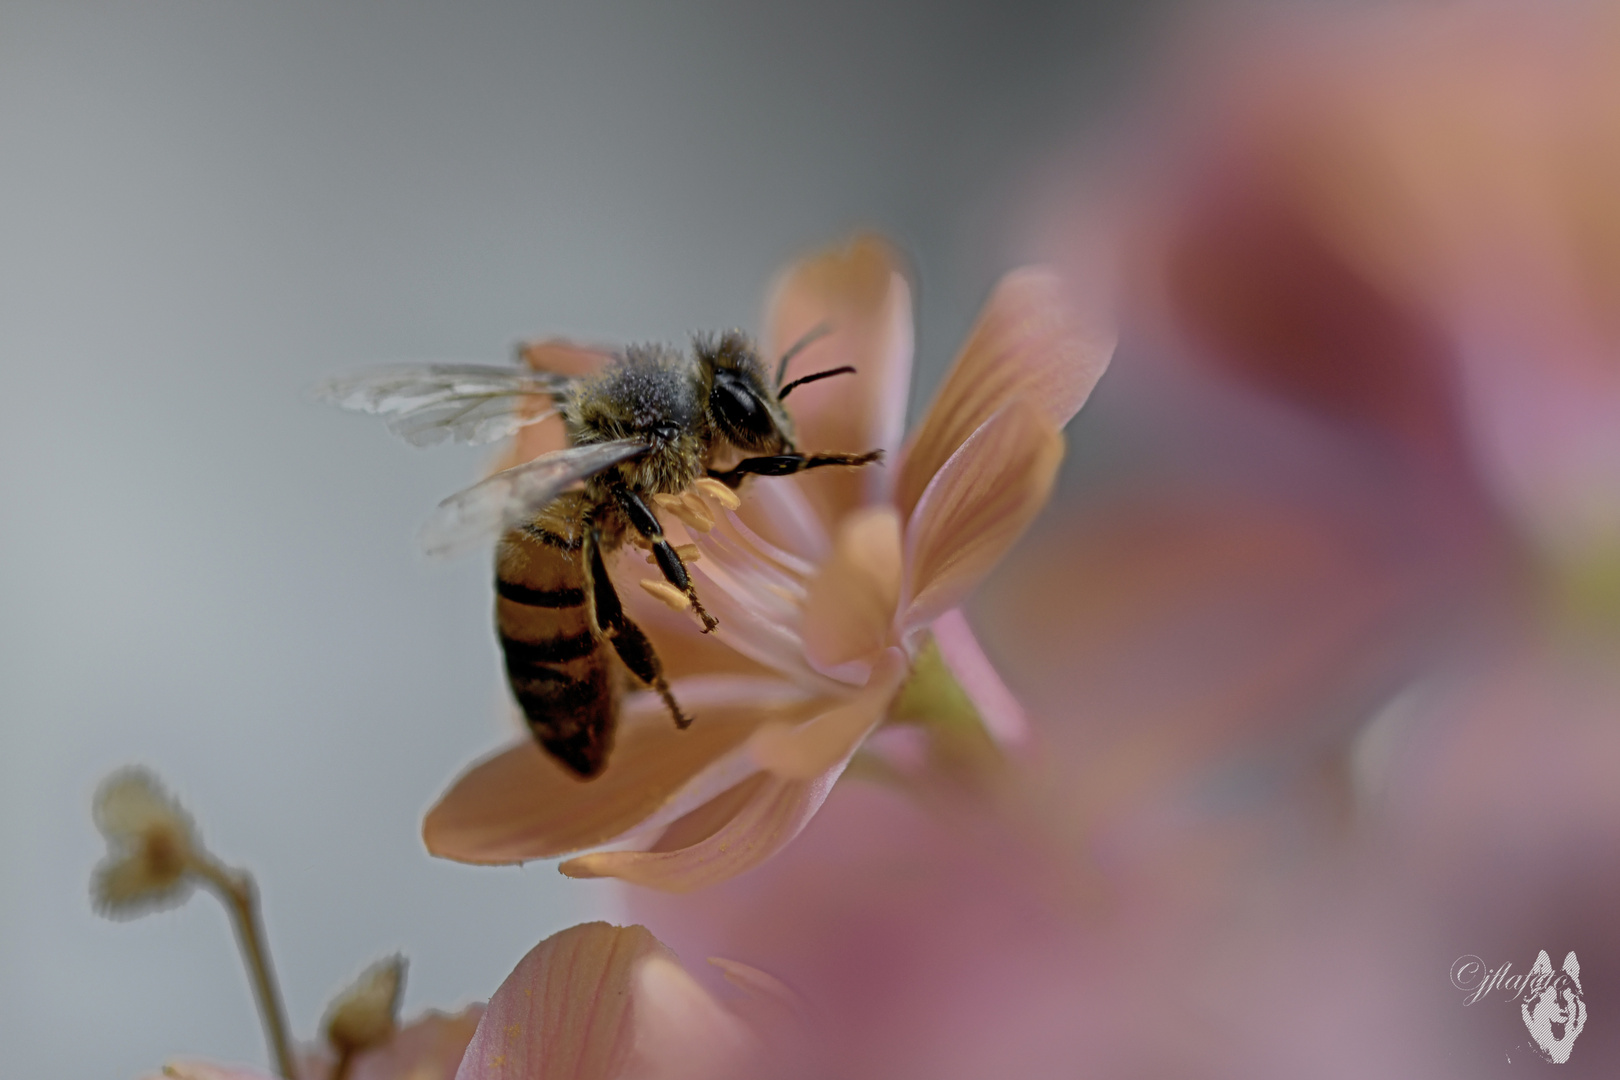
(205, 208)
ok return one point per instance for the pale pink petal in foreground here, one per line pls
(601, 1002)
(978, 504)
(684, 1034)
(1029, 345)
(565, 1012)
(859, 294)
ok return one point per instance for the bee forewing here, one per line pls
(475, 516)
(429, 403)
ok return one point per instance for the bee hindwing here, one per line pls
(511, 497)
(430, 403)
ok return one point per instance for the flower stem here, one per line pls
(241, 898)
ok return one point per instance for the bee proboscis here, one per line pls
(651, 422)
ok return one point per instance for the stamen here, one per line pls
(688, 552)
(719, 492)
(701, 519)
(695, 503)
(672, 597)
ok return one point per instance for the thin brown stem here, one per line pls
(236, 889)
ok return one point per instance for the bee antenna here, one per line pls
(808, 338)
(801, 380)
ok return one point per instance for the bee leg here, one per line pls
(788, 464)
(607, 615)
(669, 561)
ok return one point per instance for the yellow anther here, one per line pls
(687, 552)
(694, 502)
(669, 594)
(717, 491)
(689, 508)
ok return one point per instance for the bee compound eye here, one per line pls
(740, 408)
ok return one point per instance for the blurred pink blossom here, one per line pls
(1326, 678)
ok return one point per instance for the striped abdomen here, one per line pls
(561, 673)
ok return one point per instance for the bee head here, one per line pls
(742, 406)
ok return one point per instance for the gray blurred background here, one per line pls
(204, 208)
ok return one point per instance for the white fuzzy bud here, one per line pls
(151, 846)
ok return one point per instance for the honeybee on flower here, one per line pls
(832, 592)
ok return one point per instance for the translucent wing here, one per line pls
(429, 403)
(510, 498)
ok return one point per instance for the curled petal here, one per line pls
(1028, 344)
(976, 506)
(751, 823)
(849, 608)
(565, 1012)
(519, 804)
(859, 294)
(804, 751)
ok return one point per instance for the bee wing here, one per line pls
(429, 403)
(513, 496)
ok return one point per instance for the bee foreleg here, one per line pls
(608, 616)
(788, 464)
(669, 560)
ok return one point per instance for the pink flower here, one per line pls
(828, 588)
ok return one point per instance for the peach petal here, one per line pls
(1002, 715)
(774, 812)
(518, 804)
(1029, 343)
(976, 506)
(566, 1011)
(850, 604)
(860, 293)
(803, 751)
(682, 1032)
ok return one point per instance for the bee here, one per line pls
(653, 421)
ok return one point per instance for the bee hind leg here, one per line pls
(669, 560)
(609, 618)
